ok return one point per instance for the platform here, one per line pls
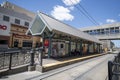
(49, 64)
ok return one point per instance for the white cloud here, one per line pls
(71, 8)
(110, 20)
(62, 13)
(71, 2)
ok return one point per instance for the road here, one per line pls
(91, 69)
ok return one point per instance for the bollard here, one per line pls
(31, 67)
(40, 56)
(110, 70)
(39, 66)
(32, 58)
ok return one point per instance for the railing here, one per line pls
(10, 58)
(114, 68)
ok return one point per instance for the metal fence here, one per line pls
(10, 58)
(114, 68)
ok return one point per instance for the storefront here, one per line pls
(19, 39)
(15, 36)
(4, 35)
(4, 41)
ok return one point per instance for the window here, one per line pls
(107, 28)
(26, 24)
(3, 41)
(90, 32)
(61, 46)
(112, 31)
(98, 31)
(27, 44)
(16, 42)
(107, 32)
(102, 31)
(116, 29)
(93, 32)
(17, 21)
(87, 31)
(6, 18)
(37, 26)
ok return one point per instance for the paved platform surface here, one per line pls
(67, 61)
(91, 69)
(50, 62)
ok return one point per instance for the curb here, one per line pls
(52, 66)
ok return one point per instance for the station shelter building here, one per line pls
(60, 39)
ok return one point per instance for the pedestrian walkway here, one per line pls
(21, 76)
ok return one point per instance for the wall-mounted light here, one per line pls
(41, 39)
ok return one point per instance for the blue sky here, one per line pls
(103, 11)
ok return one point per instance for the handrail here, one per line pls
(15, 57)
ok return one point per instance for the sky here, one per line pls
(69, 11)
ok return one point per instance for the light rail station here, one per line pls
(60, 39)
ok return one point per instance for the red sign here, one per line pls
(3, 27)
(46, 43)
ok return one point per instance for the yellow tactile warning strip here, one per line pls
(67, 62)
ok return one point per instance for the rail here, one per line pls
(10, 58)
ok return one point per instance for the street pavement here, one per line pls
(91, 69)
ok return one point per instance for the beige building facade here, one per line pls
(14, 23)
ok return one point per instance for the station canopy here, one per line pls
(42, 21)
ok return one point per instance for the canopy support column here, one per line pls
(43, 37)
(76, 46)
(50, 47)
(93, 48)
(69, 47)
(97, 48)
(50, 44)
(81, 48)
(88, 48)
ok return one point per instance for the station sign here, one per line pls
(22, 36)
(3, 27)
(46, 43)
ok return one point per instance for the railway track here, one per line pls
(67, 68)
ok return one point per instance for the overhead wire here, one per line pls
(88, 13)
(85, 13)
